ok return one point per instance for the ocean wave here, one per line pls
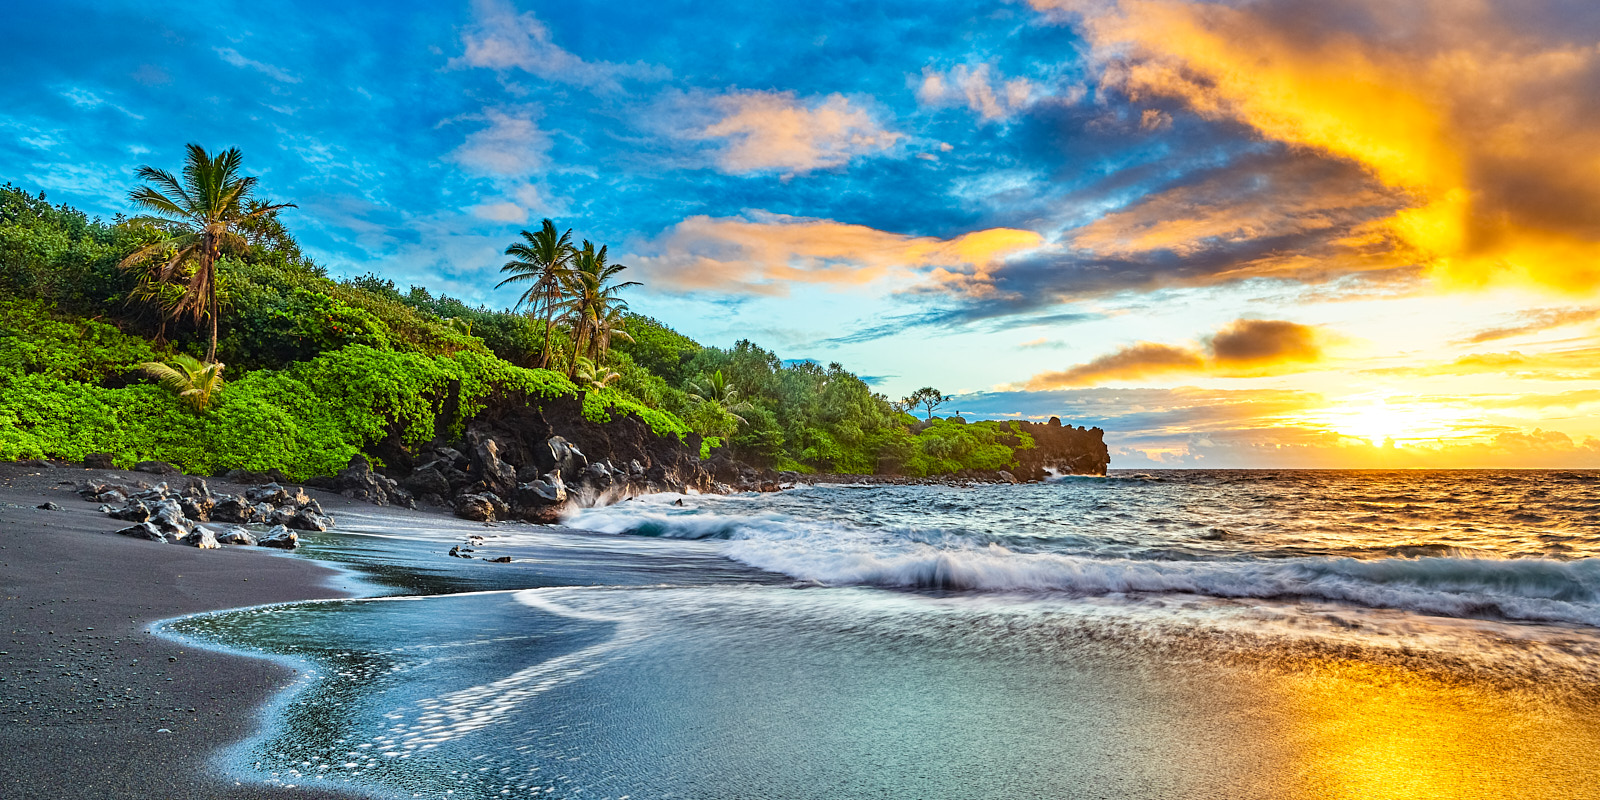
(1518, 589)
(1434, 578)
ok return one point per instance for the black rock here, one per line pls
(272, 493)
(200, 537)
(307, 520)
(98, 461)
(156, 468)
(500, 560)
(144, 530)
(37, 462)
(482, 507)
(427, 480)
(48, 506)
(281, 538)
(232, 509)
(236, 535)
(134, 511)
(112, 496)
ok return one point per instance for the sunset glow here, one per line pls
(1233, 234)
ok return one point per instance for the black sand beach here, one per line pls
(86, 690)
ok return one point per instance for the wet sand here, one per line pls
(86, 689)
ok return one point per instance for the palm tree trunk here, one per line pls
(549, 329)
(211, 289)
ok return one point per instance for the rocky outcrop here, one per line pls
(1062, 449)
(358, 481)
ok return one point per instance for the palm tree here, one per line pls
(719, 391)
(589, 376)
(543, 259)
(592, 304)
(201, 216)
(195, 382)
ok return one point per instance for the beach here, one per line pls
(88, 689)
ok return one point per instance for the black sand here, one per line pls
(85, 689)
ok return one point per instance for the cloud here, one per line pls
(510, 146)
(1243, 348)
(233, 57)
(1482, 113)
(501, 39)
(778, 132)
(982, 89)
(1536, 320)
(1573, 364)
(504, 211)
(763, 253)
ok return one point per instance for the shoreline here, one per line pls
(86, 683)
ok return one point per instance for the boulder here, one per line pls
(232, 509)
(1005, 477)
(153, 494)
(541, 500)
(481, 507)
(281, 538)
(92, 489)
(500, 560)
(144, 530)
(168, 516)
(134, 511)
(559, 454)
(461, 552)
(156, 468)
(200, 537)
(597, 476)
(427, 480)
(263, 512)
(487, 466)
(112, 496)
(197, 508)
(359, 482)
(98, 461)
(236, 535)
(307, 520)
(49, 506)
(272, 493)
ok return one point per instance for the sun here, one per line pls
(1382, 422)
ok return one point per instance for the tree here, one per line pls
(544, 259)
(927, 397)
(592, 305)
(201, 216)
(193, 381)
(589, 376)
(716, 390)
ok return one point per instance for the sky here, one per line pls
(1240, 233)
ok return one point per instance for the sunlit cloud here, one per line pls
(983, 90)
(1484, 120)
(511, 145)
(1535, 320)
(779, 132)
(763, 253)
(502, 39)
(1580, 363)
(1243, 348)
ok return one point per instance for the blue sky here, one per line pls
(1061, 208)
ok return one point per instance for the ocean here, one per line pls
(1166, 634)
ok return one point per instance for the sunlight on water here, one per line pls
(1273, 635)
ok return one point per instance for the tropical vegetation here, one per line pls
(113, 336)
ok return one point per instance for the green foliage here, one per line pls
(320, 368)
(35, 339)
(195, 382)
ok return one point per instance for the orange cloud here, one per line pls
(763, 254)
(1486, 125)
(775, 131)
(1536, 320)
(1561, 365)
(1243, 348)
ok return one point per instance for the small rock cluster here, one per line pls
(161, 514)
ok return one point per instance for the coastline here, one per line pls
(87, 685)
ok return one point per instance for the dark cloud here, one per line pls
(1243, 348)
